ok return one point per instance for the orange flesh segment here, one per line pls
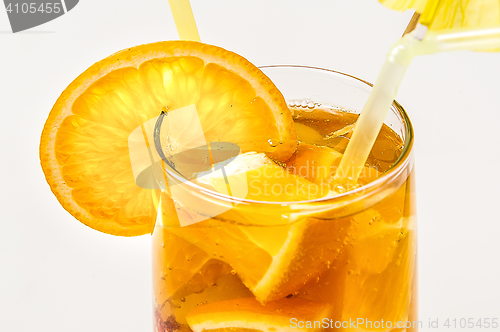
(314, 163)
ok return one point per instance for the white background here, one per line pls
(58, 275)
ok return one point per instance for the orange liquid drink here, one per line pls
(297, 252)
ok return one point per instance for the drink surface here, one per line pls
(310, 267)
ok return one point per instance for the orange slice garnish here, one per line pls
(84, 145)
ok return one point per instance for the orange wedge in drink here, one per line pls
(384, 295)
(214, 282)
(275, 261)
(373, 287)
(246, 314)
(264, 180)
(84, 145)
(177, 262)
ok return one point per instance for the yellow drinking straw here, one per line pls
(184, 20)
(384, 91)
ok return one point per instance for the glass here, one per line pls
(346, 262)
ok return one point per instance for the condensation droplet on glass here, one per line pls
(233, 272)
(272, 142)
(350, 272)
(183, 299)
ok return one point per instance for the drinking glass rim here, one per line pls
(393, 171)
